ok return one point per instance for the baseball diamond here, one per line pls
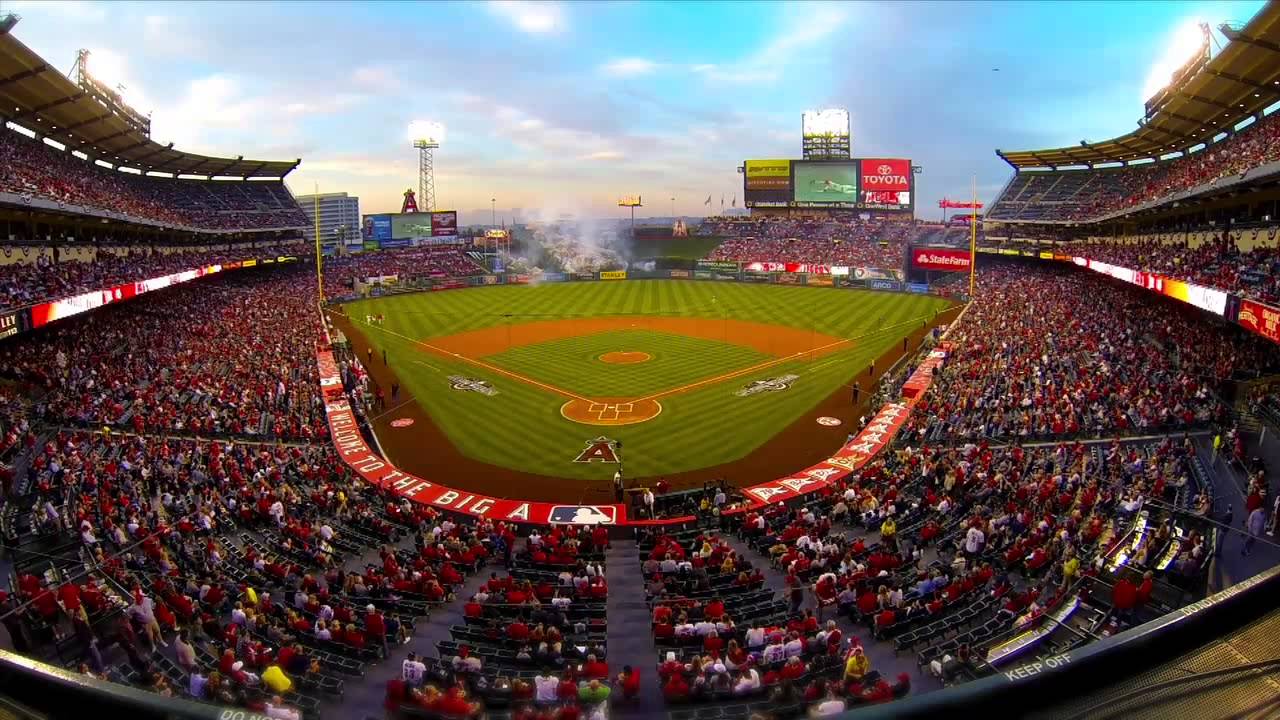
(543, 355)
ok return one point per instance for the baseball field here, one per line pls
(684, 374)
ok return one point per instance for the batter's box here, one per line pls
(610, 411)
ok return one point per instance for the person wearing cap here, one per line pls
(412, 671)
(594, 692)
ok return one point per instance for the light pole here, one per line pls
(673, 208)
(426, 137)
(493, 212)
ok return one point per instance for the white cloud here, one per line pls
(801, 34)
(530, 16)
(376, 79)
(603, 155)
(628, 67)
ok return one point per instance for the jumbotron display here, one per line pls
(854, 184)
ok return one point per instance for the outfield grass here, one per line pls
(521, 426)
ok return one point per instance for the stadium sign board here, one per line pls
(940, 259)
(1261, 319)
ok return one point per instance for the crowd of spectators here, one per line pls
(46, 279)
(1052, 351)
(1085, 194)
(31, 168)
(406, 264)
(854, 242)
(1218, 263)
(232, 355)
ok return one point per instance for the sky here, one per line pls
(570, 105)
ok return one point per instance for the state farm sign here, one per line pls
(886, 175)
(942, 259)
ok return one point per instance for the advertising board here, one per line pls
(940, 259)
(377, 227)
(444, 223)
(885, 285)
(1261, 319)
(720, 265)
(613, 275)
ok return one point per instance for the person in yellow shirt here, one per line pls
(889, 532)
(855, 668)
(274, 678)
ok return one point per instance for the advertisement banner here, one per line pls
(584, 276)
(450, 284)
(918, 287)
(613, 274)
(787, 279)
(520, 279)
(45, 313)
(871, 273)
(818, 280)
(940, 259)
(399, 242)
(865, 445)
(444, 223)
(553, 277)
(13, 323)
(922, 377)
(354, 451)
(787, 267)
(885, 199)
(893, 285)
(703, 275)
(721, 265)
(371, 245)
(377, 227)
(1261, 319)
(678, 274)
(886, 175)
(768, 174)
(749, 276)
(489, 279)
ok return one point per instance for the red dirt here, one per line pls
(611, 411)
(624, 357)
(425, 450)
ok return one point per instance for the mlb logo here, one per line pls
(583, 514)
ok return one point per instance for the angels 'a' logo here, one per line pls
(773, 384)
(466, 384)
(601, 449)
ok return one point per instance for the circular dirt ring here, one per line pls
(611, 411)
(619, 357)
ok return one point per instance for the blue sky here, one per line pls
(565, 106)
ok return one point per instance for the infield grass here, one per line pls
(521, 426)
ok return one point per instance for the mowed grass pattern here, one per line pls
(574, 363)
(521, 427)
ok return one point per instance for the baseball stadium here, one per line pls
(824, 449)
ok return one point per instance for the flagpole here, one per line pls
(973, 238)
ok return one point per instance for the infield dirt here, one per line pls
(425, 450)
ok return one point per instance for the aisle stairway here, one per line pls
(630, 641)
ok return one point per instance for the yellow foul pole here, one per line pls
(973, 238)
(316, 213)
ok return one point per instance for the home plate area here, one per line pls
(610, 411)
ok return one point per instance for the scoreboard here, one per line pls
(854, 184)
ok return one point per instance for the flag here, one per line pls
(708, 202)
(722, 201)
(735, 201)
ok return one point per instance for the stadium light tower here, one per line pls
(426, 137)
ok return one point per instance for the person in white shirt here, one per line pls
(831, 706)
(748, 683)
(412, 670)
(755, 637)
(279, 711)
(794, 647)
(277, 513)
(973, 540)
(545, 685)
(774, 653)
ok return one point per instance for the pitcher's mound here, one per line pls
(610, 411)
(625, 358)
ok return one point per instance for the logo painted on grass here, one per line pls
(584, 514)
(401, 422)
(773, 384)
(828, 421)
(466, 384)
(600, 449)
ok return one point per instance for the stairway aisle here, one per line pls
(630, 638)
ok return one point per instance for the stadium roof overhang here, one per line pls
(1239, 83)
(37, 96)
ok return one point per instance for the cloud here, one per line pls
(603, 155)
(376, 79)
(800, 35)
(628, 67)
(531, 16)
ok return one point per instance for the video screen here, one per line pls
(826, 182)
(410, 225)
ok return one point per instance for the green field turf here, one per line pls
(573, 363)
(521, 426)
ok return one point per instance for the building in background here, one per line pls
(339, 219)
